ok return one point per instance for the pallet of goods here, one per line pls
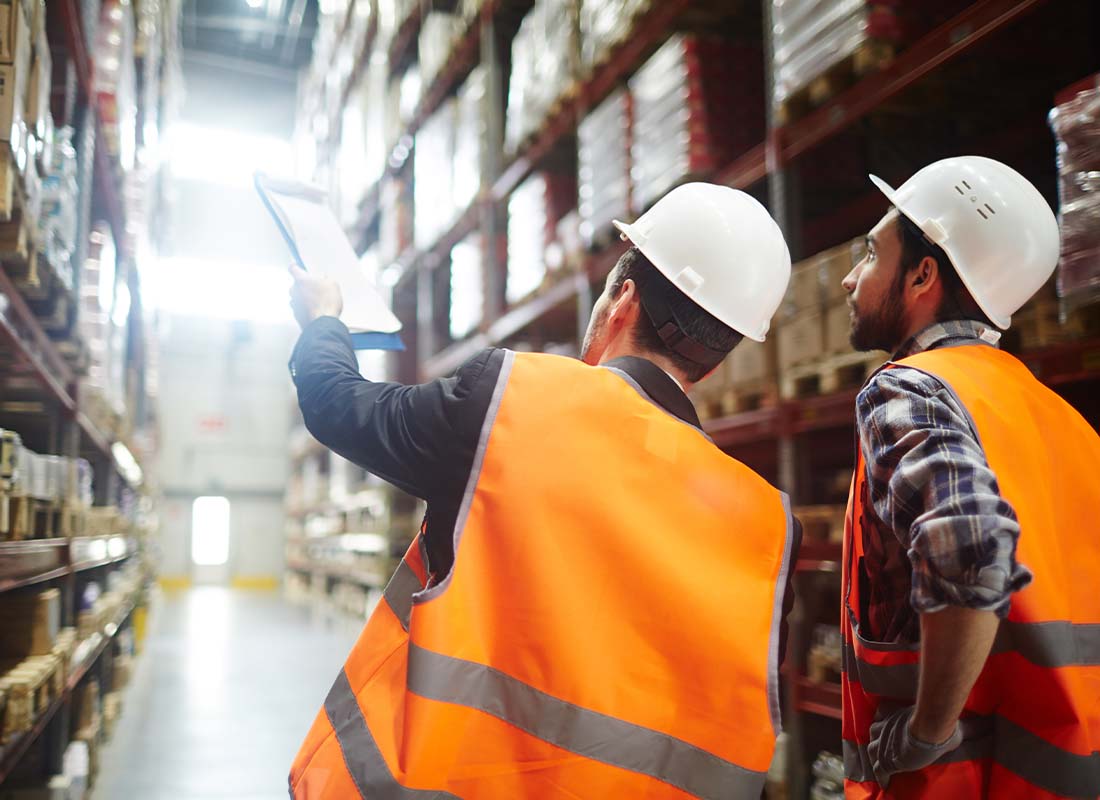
(697, 105)
(41, 496)
(545, 67)
(534, 210)
(604, 24)
(603, 171)
(822, 47)
(1076, 124)
(467, 286)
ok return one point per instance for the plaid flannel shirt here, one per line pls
(940, 532)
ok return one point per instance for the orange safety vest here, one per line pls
(609, 628)
(1031, 725)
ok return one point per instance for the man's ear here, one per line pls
(625, 305)
(925, 277)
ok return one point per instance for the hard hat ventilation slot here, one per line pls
(983, 214)
(989, 208)
(967, 185)
(959, 190)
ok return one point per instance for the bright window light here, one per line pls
(210, 531)
(226, 157)
(221, 289)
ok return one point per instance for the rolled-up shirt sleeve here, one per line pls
(930, 483)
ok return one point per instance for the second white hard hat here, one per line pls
(721, 248)
(994, 225)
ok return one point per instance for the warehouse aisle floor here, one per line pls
(224, 692)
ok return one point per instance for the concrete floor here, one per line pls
(223, 693)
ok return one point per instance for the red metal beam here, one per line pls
(747, 169)
(13, 753)
(458, 67)
(404, 38)
(74, 39)
(360, 66)
(955, 37)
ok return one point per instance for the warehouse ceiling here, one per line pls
(251, 35)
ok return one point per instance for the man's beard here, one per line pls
(881, 328)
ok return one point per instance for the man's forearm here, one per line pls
(955, 644)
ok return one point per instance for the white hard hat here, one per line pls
(721, 248)
(998, 231)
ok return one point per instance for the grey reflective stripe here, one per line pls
(1051, 644)
(579, 730)
(898, 680)
(1045, 644)
(1014, 748)
(777, 619)
(1036, 760)
(400, 590)
(475, 473)
(367, 767)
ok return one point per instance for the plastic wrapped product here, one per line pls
(1076, 124)
(467, 286)
(604, 166)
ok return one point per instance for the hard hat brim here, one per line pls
(626, 231)
(885, 188)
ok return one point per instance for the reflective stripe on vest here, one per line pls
(1046, 644)
(400, 590)
(1013, 747)
(1034, 712)
(552, 662)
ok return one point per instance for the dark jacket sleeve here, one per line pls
(788, 590)
(420, 438)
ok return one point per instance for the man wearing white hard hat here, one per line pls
(971, 613)
(595, 603)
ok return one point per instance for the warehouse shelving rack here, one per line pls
(785, 442)
(32, 369)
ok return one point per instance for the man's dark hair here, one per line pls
(694, 321)
(915, 247)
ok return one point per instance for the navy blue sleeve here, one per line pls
(421, 438)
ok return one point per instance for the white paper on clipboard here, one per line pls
(319, 245)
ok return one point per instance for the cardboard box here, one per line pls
(835, 266)
(751, 362)
(29, 624)
(801, 340)
(804, 290)
(13, 89)
(15, 35)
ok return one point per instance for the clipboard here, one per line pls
(319, 244)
